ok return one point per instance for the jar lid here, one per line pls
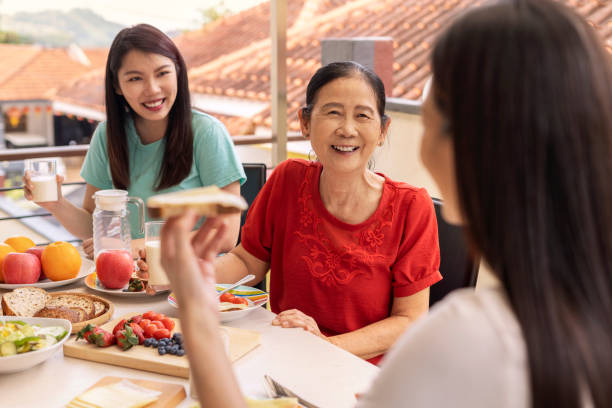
(110, 200)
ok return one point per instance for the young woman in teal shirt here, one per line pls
(152, 142)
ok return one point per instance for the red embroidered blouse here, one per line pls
(343, 275)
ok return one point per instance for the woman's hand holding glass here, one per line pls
(28, 190)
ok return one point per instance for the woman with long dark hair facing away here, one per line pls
(518, 136)
(151, 141)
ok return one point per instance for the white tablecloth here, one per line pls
(313, 368)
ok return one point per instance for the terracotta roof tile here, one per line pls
(232, 57)
(44, 70)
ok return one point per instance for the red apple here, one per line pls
(38, 252)
(114, 268)
(20, 267)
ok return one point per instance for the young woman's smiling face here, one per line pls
(148, 82)
(344, 125)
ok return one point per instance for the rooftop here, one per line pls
(231, 57)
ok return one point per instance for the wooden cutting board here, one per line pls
(171, 394)
(146, 358)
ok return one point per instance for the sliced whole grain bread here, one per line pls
(99, 307)
(74, 300)
(74, 314)
(24, 301)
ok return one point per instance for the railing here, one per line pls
(81, 150)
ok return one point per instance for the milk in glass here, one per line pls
(157, 275)
(44, 188)
(42, 176)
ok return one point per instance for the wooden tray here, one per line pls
(171, 394)
(103, 318)
(146, 358)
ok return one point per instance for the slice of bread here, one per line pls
(74, 314)
(24, 301)
(205, 201)
(99, 308)
(74, 300)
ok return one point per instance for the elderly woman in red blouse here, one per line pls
(351, 252)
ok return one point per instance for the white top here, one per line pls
(469, 352)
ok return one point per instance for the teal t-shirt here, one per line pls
(214, 162)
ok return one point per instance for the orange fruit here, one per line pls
(5, 249)
(20, 244)
(61, 261)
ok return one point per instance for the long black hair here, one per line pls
(178, 155)
(525, 88)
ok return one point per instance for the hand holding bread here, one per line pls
(204, 201)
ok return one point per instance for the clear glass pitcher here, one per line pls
(111, 225)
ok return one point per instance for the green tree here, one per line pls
(11, 37)
(215, 12)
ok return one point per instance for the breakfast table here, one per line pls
(316, 370)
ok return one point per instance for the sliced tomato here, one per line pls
(168, 323)
(239, 300)
(162, 334)
(227, 297)
(150, 330)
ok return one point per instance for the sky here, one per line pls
(164, 14)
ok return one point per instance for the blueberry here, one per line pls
(180, 352)
(147, 342)
(154, 342)
(178, 337)
(161, 351)
(171, 350)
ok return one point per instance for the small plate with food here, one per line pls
(136, 287)
(235, 304)
(28, 341)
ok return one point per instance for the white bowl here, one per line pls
(20, 362)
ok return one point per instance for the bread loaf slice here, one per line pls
(74, 300)
(205, 201)
(99, 308)
(74, 314)
(24, 301)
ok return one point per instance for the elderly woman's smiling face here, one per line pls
(344, 126)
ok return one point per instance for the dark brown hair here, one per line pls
(178, 155)
(525, 88)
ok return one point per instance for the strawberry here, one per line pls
(126, 338)
(86, 332)
(149, 330)
(119, 326)
(102, 338)
(168, 323)
(161, 334)
(138, 332)
(135, 319)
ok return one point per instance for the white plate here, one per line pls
(93, 283)
(20, 362)
(249, 293)
(86, 265)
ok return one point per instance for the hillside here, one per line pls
(59, 29)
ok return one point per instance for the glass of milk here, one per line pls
(157, 275)
(42, 175)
